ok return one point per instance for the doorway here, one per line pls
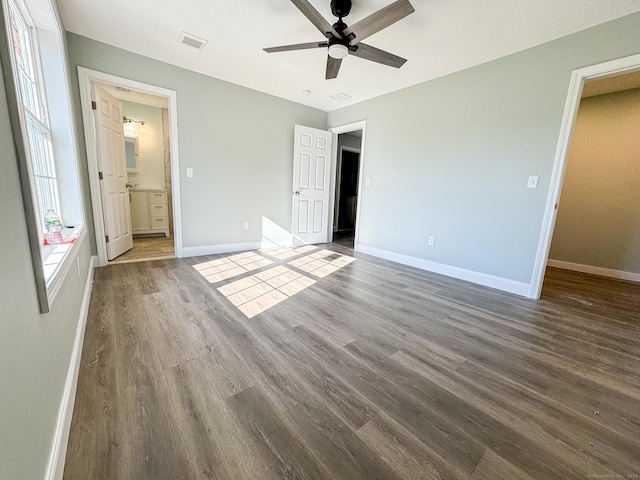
(346, 192)
(147, 146)
(605, 70)
(349, 153)
(152, 169)
(598, 220)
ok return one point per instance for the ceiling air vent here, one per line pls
(341, 97)
(192, 40)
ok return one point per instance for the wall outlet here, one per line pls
(245, 225)
(432, 241)
(533, 182)
(190, 172)
(367, 182)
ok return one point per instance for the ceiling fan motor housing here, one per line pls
(342, 40)
(340, 8)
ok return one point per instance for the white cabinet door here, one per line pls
(311, 185)
(139, 210)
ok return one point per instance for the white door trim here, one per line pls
(576, 85)
(351, 127)
(85, 78)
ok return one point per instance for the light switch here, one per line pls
(367, 182)
(190, 172)
(533, 182)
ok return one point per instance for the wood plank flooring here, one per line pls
(147, 248)
(376, 371)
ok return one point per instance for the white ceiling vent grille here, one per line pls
(192, 40)
(341, 97)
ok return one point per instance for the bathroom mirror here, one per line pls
(131, 151)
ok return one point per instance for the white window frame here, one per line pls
(34, 121)
(51, 263)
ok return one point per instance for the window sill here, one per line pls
(57, 259)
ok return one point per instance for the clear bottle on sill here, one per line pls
(53, 227)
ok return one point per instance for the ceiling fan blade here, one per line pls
(380, 56)
(314, 17)
(297, 46)
(379, 20)
(333, 67)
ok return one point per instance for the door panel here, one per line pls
(318, 216)
(113, 165)
(311, 181)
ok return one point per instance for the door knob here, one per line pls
(296, 193)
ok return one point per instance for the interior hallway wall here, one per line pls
(598, 220)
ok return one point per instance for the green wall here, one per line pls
(451, 157)
(35, 349)
(238, 141)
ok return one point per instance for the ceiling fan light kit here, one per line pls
(338, 51)
(344, 40)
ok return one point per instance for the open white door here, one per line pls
(311, 185)
(113, 173)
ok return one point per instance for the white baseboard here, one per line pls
(605, 272)
(55, 468)
(215, 249)
(504, 284)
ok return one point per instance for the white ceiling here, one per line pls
(441, 37)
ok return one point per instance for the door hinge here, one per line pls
(100, 175)
(94, 106)
(107, 238)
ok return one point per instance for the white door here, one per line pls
(112, 163)
(311, 185)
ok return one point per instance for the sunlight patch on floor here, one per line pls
(259, 292)
(229, 267)
(322, 263)
(283, 253)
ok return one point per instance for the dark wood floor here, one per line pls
(376, 371)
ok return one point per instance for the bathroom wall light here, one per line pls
(131, 128)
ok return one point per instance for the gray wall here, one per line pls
(151, 174)
(348, 140)
(451, 157)
(238, 141)
(35, 349)
(599, 215)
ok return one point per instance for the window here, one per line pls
(31, 94)
(36, 80)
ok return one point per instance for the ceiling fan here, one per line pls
(343, 40)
